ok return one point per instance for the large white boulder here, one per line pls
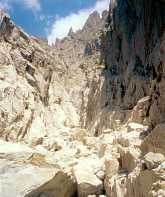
(25, 172)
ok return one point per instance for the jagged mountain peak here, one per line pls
(70, 32)
(89, 31)
(93, 19)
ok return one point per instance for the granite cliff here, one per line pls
(85, 117)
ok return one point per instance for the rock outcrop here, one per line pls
(130, 92)
(25, 172)
(85, 117)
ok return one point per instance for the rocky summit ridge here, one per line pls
(85, 117)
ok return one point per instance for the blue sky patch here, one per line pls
(39, 17)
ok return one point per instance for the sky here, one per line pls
(51, 19)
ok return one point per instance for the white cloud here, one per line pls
(5, 5)
(41, 17)
(34, 5)
(61, 26)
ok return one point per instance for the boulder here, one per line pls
(24, 172)
(153, 160)
(154, 142)
(140, 110)
(133, 126)
(128, 158)
(115, 186)
(79, 135)
(30, 180)
(111, 167)
(88, 183)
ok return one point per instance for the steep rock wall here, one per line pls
(133, 53)
(33, 101)
(131, 89)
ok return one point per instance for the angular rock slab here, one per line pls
(153, 160)
(33, 181)
(88, 183)
(25, 173)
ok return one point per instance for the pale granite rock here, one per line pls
(153, 160)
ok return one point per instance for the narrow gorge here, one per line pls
(85, 117)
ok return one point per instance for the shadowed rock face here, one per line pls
(131, 87)
(133, 53)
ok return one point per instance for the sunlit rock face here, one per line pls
(33, 99)
(85, 117)
(41, 99)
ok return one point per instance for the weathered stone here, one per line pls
(115, 186)
(129, 158)
(153, 160)
(111, 167)
(87, 183)
(140, 110)
(136, 127)
(23, 172)
(154, 142)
